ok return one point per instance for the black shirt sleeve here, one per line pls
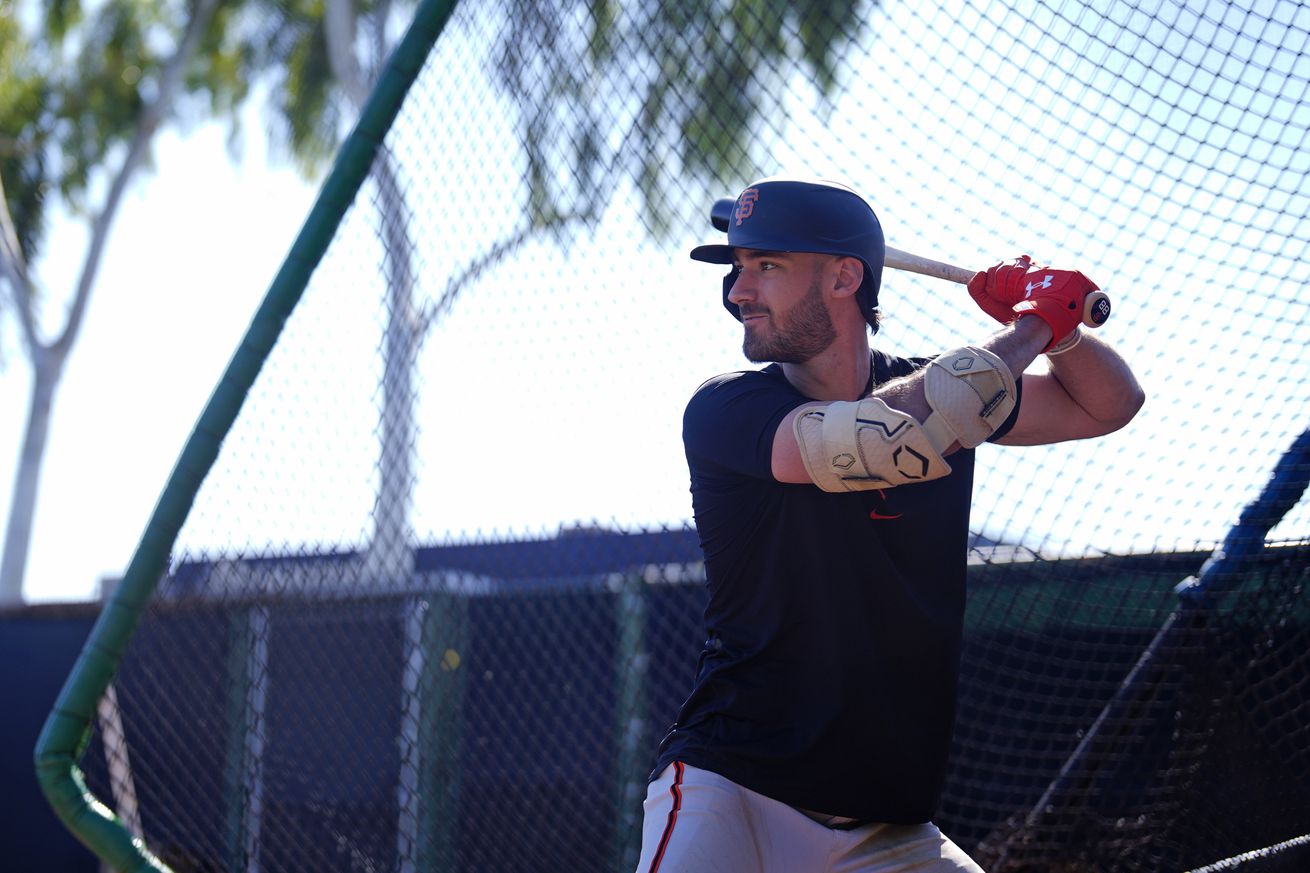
(1014, 413)
(730, 422)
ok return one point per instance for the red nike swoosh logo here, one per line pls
(878, 516)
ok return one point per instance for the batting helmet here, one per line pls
(781, 214)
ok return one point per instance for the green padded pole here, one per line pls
(68, 727)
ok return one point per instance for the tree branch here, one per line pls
(154, 114)
(381, 15)
(339, 30)
(14, 267)
(487, 259)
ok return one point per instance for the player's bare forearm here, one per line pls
(1089, 391)
(1099, 381)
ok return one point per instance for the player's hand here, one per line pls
(1056, 297)
(997, 289)
(1016, 288)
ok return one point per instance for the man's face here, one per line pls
(780, 296)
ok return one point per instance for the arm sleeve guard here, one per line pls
(971, 392)
(865, 444)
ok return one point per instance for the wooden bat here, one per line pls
(1096, 306)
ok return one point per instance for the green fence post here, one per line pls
(441, 690)
(631, 663)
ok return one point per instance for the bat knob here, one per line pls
(1096, 308)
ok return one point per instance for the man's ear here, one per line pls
(850, 273)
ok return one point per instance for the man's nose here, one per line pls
(742, 289)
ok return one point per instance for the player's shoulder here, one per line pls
(731, 419)
(733, 395)
(737, 379)
(726, 387)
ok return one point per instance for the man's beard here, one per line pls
(806, 331)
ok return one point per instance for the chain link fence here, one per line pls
(439, 597)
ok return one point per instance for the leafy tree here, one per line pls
(85, 88)
(81, 98)
(685, 85)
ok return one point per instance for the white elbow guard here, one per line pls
(865, 444)
(971, 393)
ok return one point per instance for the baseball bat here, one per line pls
(1096, 306)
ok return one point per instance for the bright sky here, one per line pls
(1198, 245)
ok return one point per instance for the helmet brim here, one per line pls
(712, 254)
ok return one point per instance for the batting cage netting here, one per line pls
(438, 598)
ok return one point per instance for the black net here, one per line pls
(439, 598)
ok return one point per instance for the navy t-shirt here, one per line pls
(828, 679)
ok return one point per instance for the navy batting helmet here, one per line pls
(781, 214)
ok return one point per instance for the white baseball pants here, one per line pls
(699, 822)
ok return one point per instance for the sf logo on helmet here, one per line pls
(746, 204)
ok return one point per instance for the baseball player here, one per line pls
(831, 492)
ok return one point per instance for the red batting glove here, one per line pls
(999, 288)
(1056, 297)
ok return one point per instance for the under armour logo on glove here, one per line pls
(1059, 301)
(1033, 286)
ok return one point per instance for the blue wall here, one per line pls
(38, 646)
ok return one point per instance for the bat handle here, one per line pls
(1096, 308)
(1096, 305)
